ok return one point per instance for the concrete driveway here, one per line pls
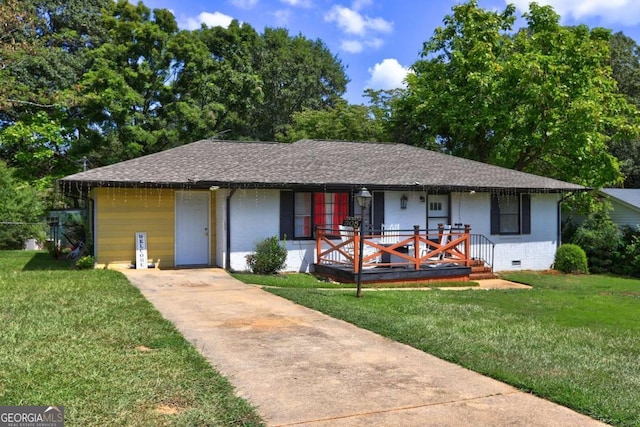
(300, 367)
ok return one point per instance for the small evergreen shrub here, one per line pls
(269, 258)
(571, 258)
(85, 263)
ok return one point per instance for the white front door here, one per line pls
(438, 210)
(192, 228)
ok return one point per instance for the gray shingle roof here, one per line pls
(312, 163)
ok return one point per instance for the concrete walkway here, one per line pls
(300, 367)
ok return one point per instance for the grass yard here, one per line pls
(574, 340)
(89, 341)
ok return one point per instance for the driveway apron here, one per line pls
(300, 367)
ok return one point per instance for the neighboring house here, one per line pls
(209, 202)
(626, 205)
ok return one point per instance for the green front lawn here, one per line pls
(572, 339)
(89, 341)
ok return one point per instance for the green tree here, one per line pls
(343, 122)
(540, 100)
(44, 54)
(126, 89)
(20, 210)
(18, 41)
(35, 146)
(625, 63)
(216, 88)
(296, 73)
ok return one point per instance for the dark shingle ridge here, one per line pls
(324, 163)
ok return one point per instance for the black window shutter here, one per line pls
(378, 210)
(286, 215)
(495, 215)
(526, 213)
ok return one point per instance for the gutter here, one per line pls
(559, 216)
(227, 256)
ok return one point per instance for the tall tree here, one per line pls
(216, 89)
(44, 55)
(18, 41)
(126, 89)
(296, 73)
(625, 62)
(541, 100)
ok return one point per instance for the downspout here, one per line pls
(559, 215)
(227, 260)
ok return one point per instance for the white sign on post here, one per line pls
(141, 250)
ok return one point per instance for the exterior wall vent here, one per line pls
(516, 263)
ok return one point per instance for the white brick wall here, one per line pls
(255, 215)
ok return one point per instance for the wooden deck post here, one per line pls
(416, 246)
(356, 250)
(467, 244)
(318, 244)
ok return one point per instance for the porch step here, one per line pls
(479, 271)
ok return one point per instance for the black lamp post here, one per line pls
(363, 199)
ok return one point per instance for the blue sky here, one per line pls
(377, 40)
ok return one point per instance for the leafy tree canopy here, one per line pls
(541, 100)
(296, 73)
(625, 62)
(43, 54)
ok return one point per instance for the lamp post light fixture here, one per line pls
(363, 199)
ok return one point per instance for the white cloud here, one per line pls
(298, 3)
(359, 4)
(374, 43)
(357, 46)
(388, 74)
(626, 12)
(352, 22)
(244, 4)
(215, 19)
(352, 46)
(282, 17)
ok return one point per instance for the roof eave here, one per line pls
(84, 185)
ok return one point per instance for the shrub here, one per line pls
(269, 258)
(628, 255)
(85, 263)
(571, 258)
(600, 238)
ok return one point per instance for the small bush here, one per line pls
(628, 255)
(600, 238)
(269, 258)
(85, 263)
(571, 259)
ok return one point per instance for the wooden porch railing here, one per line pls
(434, 248)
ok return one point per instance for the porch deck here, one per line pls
(381, 274)
(442, 255)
